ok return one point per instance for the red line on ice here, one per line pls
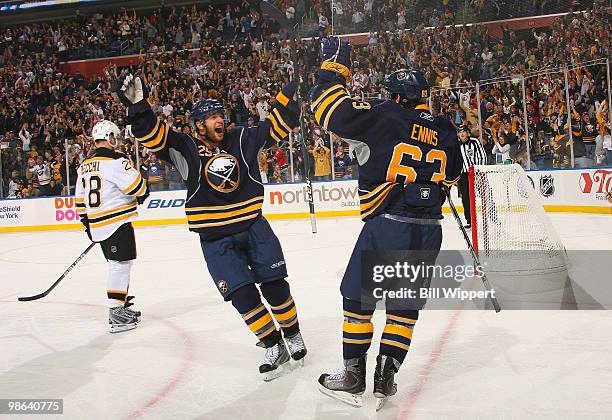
(177, 378)
(423, 375)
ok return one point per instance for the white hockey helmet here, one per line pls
(102, 131)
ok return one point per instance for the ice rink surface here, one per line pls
(192, 356)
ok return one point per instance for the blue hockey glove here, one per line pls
(336, 56)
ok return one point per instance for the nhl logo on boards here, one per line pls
(547, 185)
(222, 286)
(223, 172)
(425, 193)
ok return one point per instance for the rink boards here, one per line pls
(570, 190)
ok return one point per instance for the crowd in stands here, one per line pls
(46, 116)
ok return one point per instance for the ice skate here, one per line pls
(348, 384)
(121, 320)
(275, 357)
(131, 311)
(384, 384)
(296, 347)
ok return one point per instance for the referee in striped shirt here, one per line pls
(472, 153)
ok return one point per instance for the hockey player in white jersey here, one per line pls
(108, 190)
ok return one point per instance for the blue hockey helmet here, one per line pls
(204, 108)
(410, 85)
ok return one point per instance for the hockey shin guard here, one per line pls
(278, 295)
(118, 282)
(396, 337)
(248, 303)
(357, 329)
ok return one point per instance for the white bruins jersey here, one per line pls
(106, 191)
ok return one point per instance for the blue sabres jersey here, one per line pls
(404, 155)
(224, 188)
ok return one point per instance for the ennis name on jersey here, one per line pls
(106, 190)
(224, 188)
(404, 155)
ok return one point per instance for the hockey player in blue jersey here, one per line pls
(223, 205)
(406, 155)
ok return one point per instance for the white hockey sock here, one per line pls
(118, 282)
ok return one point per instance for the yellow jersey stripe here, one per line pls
(332, 109)
(142, 189)
(358, 328)
(324, 94)
(225, 207)
(132, 185)
(116, 209)
(274, 122)
(400, 330)
(395, 344)
(114, 219)
(150, 134)
(365, 206)
(376, 204)
(374, 191)
(163, 144)
(228, 222)
(280, 120)
(282, 306)
(402, 319)
(253, 312)
(326, 104)
(451, 183)
(266, 332)
(282, 99)
(356, 341)
(154, 141)
(358, 316)
(121, 292)
(261, 322)
(224, 214)
(274, 136)
(287, 315)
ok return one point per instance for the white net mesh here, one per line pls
(511, 230)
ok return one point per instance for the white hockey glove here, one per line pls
(131, 90)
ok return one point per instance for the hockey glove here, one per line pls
(85, 222)
(336, 56)
(131, 90)
(143, 197)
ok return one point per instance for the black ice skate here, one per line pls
(297, 349)
(275, 357)
(348, 384)
(121, 320)
(384, 384)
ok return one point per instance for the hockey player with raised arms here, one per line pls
(224, 206)
(108, 190)
(405, 156)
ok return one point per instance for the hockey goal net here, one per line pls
(510, 229)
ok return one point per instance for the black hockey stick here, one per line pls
(275, 13)
(485, 280)
(46, 292)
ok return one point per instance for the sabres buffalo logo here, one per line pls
(223, 173)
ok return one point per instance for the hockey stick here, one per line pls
(485, 280)
(46, 292)
(274, 12)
